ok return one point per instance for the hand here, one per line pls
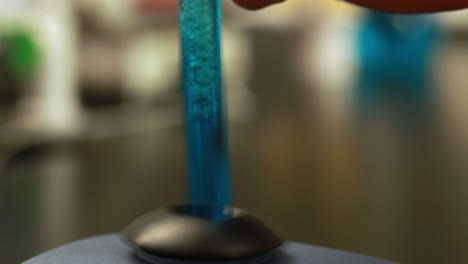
(397, 6)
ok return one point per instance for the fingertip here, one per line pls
(256, 4)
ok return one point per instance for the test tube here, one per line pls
(208, 143)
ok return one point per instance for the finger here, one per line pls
(256, 4)
(412, 6)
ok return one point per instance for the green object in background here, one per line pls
(21, 54)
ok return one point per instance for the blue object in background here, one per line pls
(208, 144)
(395, 54)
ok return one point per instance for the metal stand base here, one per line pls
(185, 232)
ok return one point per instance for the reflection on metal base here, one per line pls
(174, 233)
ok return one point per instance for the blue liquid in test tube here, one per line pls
(209, 165)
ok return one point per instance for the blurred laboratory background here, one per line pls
(349, 127)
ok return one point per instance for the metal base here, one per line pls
(176, 233)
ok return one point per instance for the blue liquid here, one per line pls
(209, 166)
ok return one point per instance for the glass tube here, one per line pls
(208, 144)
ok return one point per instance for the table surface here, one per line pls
(110, 249)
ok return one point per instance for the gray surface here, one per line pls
(109, 249)
(161, 260)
